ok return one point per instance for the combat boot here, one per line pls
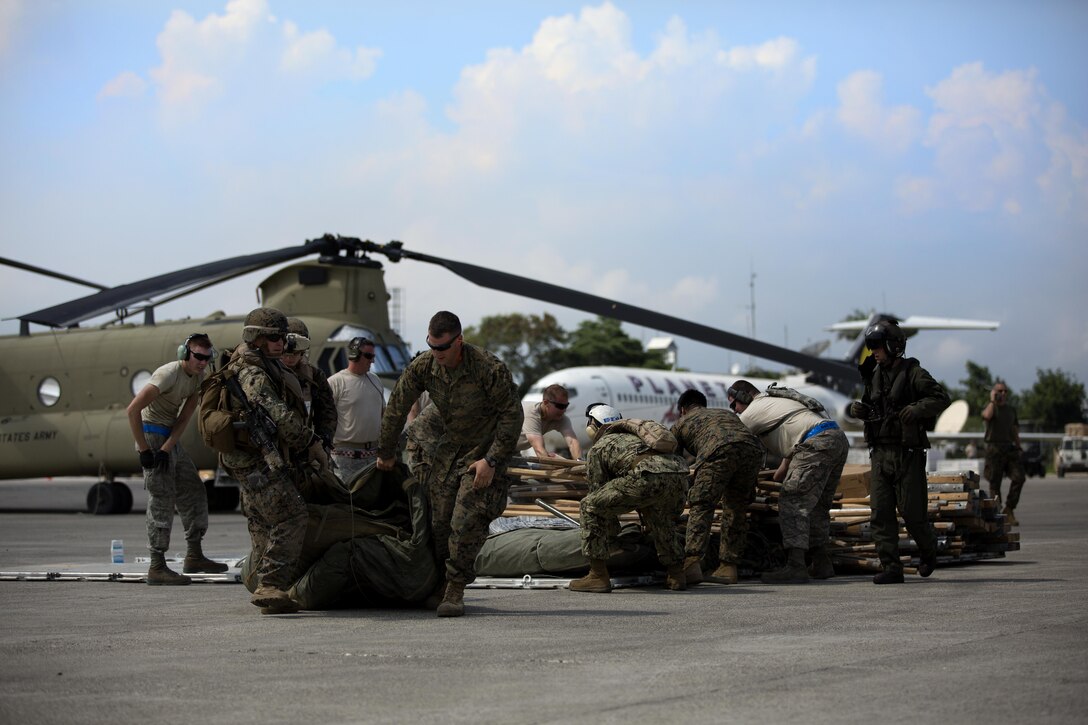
(693, 571)
(889, 576)
(675, 578)
(724, 574)
(1010, 518)
(197, 563)
(596, 580)
(453, 603)
(273, 600)
(794, 572)
(435, 597)
(927, 565)
(821, 566)
(161, 574)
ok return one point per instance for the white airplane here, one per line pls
(652, 394)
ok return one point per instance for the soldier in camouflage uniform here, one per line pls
(624, 474)
(317, 476)
(813, 452)
(275, 512)
(900, 396)
(727, 461)
(479, 418)
(157, 417)
(1003, 449)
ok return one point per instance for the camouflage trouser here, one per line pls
(276, 517)
(1002, 461)
(731, 480)
(460, 516)
(809, 489)
(899, 482)
(177, 488)
(348, 468)
(658, 497)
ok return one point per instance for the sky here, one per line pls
(921, 158)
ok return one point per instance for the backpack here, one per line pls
(811, 403)
(659, 438)
(214, 415)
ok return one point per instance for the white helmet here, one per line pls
(602, 413)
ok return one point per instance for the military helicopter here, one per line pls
(63, 392)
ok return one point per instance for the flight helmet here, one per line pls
(597, 414)
(887, 334)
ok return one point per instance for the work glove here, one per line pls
(908, 415)
(162, 460)
(860, 410)
(147, 459)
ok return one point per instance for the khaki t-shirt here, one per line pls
(764, 414)
(175, 387)
(534, 424)
(360, 402)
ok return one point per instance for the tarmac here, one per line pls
(1000, 641)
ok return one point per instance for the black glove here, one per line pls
(162, 460)
(908, 415)
(860, 410)
(147, 459)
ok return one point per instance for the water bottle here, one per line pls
(117, 551)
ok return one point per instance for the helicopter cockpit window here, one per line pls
(387, 358)
(49, 391)
(139, 380)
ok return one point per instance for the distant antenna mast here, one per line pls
(752, 307)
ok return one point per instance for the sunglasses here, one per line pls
(200, 356)
(274, 337)
(368, 355)
(442, 348)
(561, 406)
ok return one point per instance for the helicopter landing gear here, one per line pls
(109, 497)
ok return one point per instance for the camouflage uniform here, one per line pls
(808, 490)
(275, 512)
(178, 487)
(624, 475)
(727, 460)
(1003, 455)
(321, 417)
(478, 414)
(897, 452)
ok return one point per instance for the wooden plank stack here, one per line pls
(968, 522)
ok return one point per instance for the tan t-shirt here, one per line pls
(175, 386)
(534, 424)
(360, 403)
(765, 411)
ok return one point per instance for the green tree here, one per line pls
(531, 345)
(857, 314)
(1056, 398)
(976, 387)
(603, 342)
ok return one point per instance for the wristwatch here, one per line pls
(490, 460)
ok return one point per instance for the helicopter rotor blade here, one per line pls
(566, 297)
(114, 298)
(50, 273)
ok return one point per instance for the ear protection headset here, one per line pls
(184, 353)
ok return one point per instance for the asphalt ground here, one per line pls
(1002, 641)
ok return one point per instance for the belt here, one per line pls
(353, 453)
(820, 428)
(160, 429)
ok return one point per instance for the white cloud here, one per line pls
(861, 112)
(916, 193)
(125, 85)
(317, 52)
(777, 54)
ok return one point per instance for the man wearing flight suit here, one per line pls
(900, 396)
(625, 474)
(157, 417)
(1003, 449)
(476, 401)
(274, 509)
(727, 461)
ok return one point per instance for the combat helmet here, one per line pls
(298, 336)
(887, 334)
(264, 321)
